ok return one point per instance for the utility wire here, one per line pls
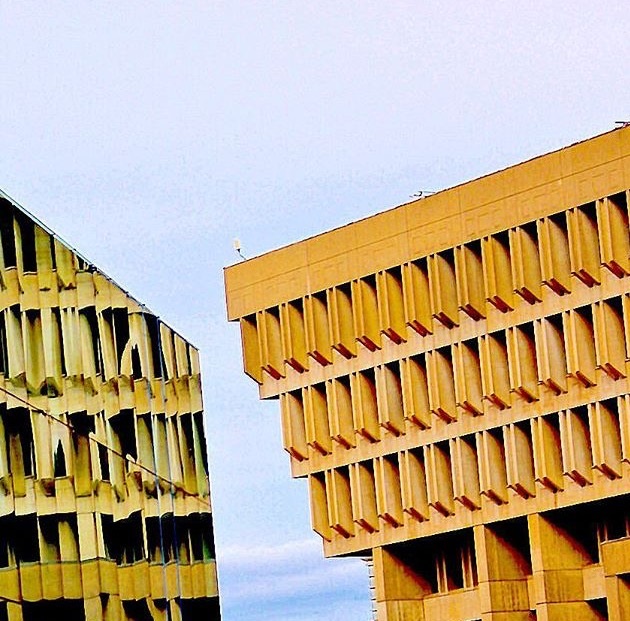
(73, 429)
(157, 476)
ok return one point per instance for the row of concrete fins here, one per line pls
(45, 346)
(577, 445)
(472, 278)
(468, 377)
(149, 451)
(29, 249)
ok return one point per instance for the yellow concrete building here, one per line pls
(453, 381)
(104, 498)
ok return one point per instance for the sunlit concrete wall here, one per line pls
(453, 381)
(104, 498)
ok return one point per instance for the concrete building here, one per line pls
(453, 382)
(104, 498)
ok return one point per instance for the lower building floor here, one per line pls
(569, 564)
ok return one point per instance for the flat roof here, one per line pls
(570, 176)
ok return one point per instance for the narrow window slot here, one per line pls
(413, 484)
(575, 437)
(187, 452)
(26, 232)
(415, 391)
(519, 459)
(365, 315)
(124, 427)
(49, 539)
(318, 339)
(152, 324)
(60, 468)
(120, 319)
(443, 288)
(319, 505)
(497, 271)
(25, 540)
(547, 452)
(270, 342)
(201, 455)
(554, 253)
(465, 472)
(363, 489)
(469, 276)
(437, 458)
(417, 296)
(293, 425)
(391, 306)
(108, 345)
(252, 363)
(316, 418)
(123, 441)
(611, 337)
(388, 492)
(522, 361)
(294, 335)
(526, 274)
(389, 398)
(57, 355)
(364, 405)
(614, 243)
(154, 540)
(7, 233)
(492, 468)
(83, 424)
(130, 539)
(468, 391)
(103, 458)
(20, 446)
(442, 384)
(584, 244)
(580, 342)
(340, 501)
(551, 353)
(606, 438)
(339, 399)
(340, 320)
(495, 376)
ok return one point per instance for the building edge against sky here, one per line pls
(453, 382)
(104, 495)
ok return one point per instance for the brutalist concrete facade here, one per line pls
(104, 497)
(453, 381)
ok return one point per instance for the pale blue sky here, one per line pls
(150, 134)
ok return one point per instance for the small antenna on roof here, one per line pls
(422, 194)
(237, 246)
(622, 123)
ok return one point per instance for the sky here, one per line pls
(149, 135)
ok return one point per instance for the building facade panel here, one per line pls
(462, 414)
(104, 496)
